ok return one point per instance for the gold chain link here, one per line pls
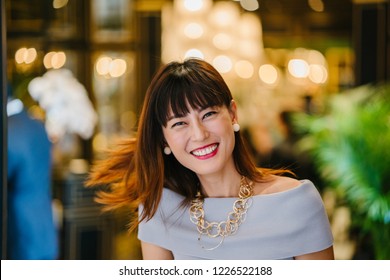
(234, 219)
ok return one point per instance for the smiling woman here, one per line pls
(203, 136)
(194, 183)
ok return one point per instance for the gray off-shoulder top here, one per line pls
(277, 226)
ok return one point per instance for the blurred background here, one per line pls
(310, 78)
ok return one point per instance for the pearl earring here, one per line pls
(167, 150)
(236, 127)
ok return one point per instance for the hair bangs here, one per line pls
(183, 94)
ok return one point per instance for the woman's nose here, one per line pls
(199, 131)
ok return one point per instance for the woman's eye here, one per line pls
(177, 124)
(209, 114)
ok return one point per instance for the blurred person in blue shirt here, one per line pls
(31, 230)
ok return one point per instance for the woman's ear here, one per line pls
(233, 111)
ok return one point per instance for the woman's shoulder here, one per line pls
(276, 184)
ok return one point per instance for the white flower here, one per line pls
(66, 102)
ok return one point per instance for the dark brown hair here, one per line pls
(138, 170)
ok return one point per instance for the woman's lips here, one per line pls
(205, 152)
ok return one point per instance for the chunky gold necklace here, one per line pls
(234, 219)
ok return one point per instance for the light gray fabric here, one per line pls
(278, 226)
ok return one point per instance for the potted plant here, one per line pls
(350, 145)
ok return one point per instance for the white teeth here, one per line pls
(205, 151)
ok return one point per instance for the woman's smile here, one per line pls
(205, 152)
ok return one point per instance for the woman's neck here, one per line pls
(221, 185)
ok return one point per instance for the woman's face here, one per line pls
(203, 140)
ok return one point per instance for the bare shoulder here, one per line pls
(276, 184)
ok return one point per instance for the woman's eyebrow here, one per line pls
(200, 109)
(171, 117)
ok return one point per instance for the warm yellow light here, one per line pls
(188, 7)
(110, 68)
(249, 48)
(58, 60)
(47, 60)
(249, 26)
(194, 53)
(298, 68)
(224, 14)
(318, 73)
(223, 41)
(268, 74)
(193, 30)
(100, 142)
(316, 5)
(19, 55)
(54, 60)
(244, 69)
(117, 68)
(223, 63)
(58, 4)
(24, 55)
(315, 57)
(30, 55)
(193, 5)
(103, 65)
